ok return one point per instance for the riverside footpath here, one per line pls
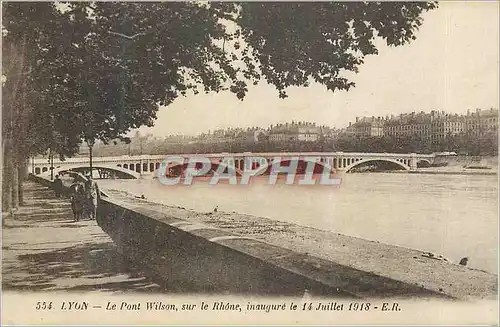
(43, 249)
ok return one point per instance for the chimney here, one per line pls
(357, 119)
(350, 122)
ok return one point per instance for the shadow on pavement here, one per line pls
(89, 266)
(85, 267)
(94, 267)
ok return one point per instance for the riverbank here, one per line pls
(466, 161)
(444, 171)
(457, 165)
(410, 266)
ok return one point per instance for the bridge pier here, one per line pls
(413, 161)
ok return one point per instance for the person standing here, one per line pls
(57, 185)
(91, 190)
(78, 199)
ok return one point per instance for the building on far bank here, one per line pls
(431, 127)
(306, 132)
(411, 124)
(366, 127)
(481, 122)
(219, 136)
(251, 135)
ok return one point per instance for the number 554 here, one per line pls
(43, 305)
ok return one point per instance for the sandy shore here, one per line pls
(407, 265)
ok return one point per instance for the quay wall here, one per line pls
(461, 161)
(190, 257)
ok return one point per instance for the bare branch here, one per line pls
(127, 36)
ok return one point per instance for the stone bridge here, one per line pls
(148, 164)
(103, 171)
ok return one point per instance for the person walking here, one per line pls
(78, 199)
(57, 185)
(91, 191)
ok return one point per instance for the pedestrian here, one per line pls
(91, 192)
(57, 185)
(77, 198)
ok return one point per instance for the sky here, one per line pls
(453, 65)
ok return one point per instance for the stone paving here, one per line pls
(44, 249)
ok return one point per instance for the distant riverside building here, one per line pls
(248, 136)
(432, 127)
(331, 133)
(481, 122)
(229, 135)
(301, 131)
(409, 124)
(366, 126)
(307, 132)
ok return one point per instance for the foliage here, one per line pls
(300, 41)
(99, 69)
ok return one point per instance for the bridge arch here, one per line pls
(119, 171)
(301, 166)
(363, 161)
(177, 169)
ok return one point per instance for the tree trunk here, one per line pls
(13, 122)
(15, 185)
(6, 180)
(51, 162)
(21, 177)
(90, 157)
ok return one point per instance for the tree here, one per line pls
(296, 43)
(13, 104)
(99, 69)
(18, 75)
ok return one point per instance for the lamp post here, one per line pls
(51, 162)
(51, 166)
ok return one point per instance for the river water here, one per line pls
(451, 215)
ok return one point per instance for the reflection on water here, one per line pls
(452, 215)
